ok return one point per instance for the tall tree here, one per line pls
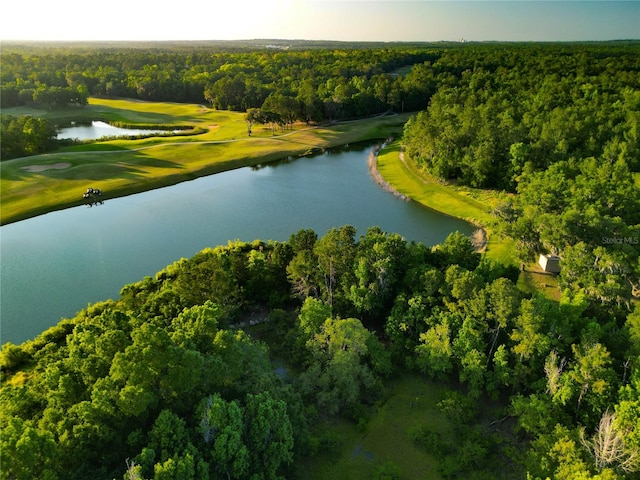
(222, 428)
(340, 375)
(336, 252)
(268, 436)
(379, 266)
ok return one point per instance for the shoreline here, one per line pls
(169, 166)
(372, 162)
(403, 176)
(479, 238)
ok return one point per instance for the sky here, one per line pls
(356, 20)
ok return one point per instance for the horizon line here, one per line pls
(460, 40)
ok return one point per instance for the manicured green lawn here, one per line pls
(471, 204)
(122, 167)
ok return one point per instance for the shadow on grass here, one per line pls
(90, 147)
(534, 280)
(291, 139)
(133, 165)
(136, 116)
(28, 194)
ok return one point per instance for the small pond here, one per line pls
(98, 129)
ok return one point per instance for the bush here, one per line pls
(429, 440)
(387, 471)
(12, 357)
(330, 442)
(458, 408)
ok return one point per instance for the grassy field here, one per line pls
(535, 280)
(123, 167)
(411, 402)
(471, 204)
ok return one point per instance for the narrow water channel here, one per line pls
(54, 265)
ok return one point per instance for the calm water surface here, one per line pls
(98, 130)
(54, 265)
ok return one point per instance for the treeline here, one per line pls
(493, 111)
(163, 383)
(44, 96)
(516, 111)
(560, 127)
(348, 82)
(26, 135)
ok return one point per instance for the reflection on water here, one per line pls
(55, 264)
(97, 129)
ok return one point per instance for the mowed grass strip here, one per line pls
(123, 167)
(470, 204)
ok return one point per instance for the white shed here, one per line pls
(550, 263)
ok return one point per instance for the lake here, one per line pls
(99, 129)
(54, 265)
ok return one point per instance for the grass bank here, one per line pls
(471, 204)
(124, 167)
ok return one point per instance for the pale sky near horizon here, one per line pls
(356, 20)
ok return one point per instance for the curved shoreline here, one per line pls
(19, 204)
(479, 238)
(372, 162)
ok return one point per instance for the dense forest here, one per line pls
(511, 113)
(345, 83)
(562, 131)
(163, 381)
(168, 381)
(276, 87)
(494, 111)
